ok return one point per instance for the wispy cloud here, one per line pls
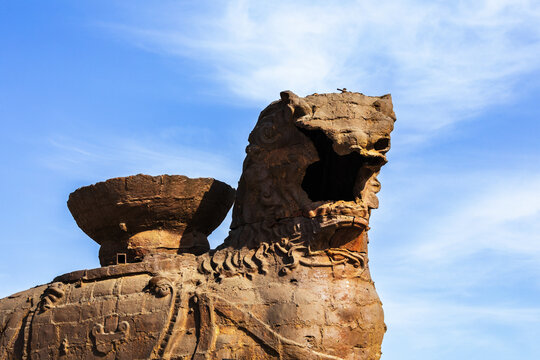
(462, 331)
(455, 257)
(442, 61)
(111, 157)
(503, 217)
(457, 228)
(408, 313)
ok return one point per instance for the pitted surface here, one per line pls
(291, 281)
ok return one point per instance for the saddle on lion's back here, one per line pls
(291, 281)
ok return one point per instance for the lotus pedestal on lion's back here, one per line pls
(291, 281)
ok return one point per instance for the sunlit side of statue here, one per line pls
(291, 281)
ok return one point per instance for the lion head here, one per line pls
(311, 169)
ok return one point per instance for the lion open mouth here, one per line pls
(335, 184)
(333, 177)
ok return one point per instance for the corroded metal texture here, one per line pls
(290, 282)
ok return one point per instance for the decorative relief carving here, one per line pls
(207, 327)
(51, 296)
(261, 332)
(160, 286)
(106, 342)
(168, 336)
(291, 253)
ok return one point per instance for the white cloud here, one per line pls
(502, 217)
(442, 61)
(420, 327)
(455, 257)
(112, 157)
(406, 313)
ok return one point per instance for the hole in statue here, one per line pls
(121, 258)
(333, 176)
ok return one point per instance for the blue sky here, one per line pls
(94, 90)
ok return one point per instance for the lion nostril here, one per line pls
(382, 144)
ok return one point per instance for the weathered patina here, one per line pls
(291, 281)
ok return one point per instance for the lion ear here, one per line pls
(287, 96)
(299, 107)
